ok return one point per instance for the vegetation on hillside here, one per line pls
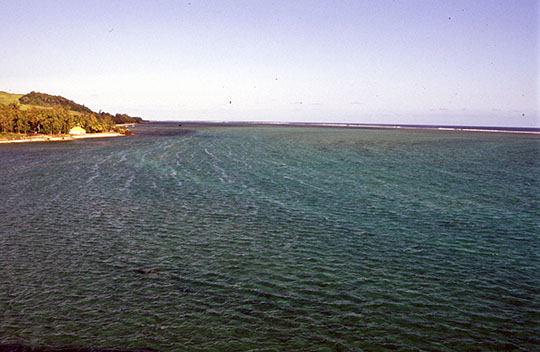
(47, 100)
(48, 114)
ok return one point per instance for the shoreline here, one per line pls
(60, 138)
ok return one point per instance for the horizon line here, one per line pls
(463, 128)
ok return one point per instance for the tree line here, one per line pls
(54, 120)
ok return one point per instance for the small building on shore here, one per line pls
(77, 131)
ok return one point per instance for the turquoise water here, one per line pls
(272, 238)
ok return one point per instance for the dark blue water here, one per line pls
(272, 238)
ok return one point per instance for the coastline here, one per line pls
(61, 138)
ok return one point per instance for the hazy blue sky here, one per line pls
(441, 62)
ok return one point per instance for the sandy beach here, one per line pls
(60, 138)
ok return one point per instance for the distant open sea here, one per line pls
(272, 238)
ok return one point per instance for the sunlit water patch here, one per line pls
(272, 238)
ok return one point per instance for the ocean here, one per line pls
(272, 238)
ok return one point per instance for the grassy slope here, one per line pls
(8, 98)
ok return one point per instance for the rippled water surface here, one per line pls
(272, 238)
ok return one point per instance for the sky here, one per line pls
(382, 61)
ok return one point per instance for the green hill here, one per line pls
(52, 114)
(47, 100)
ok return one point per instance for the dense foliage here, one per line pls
(125, 118)
(49, 114)
(54, 120)
(120, 118)
(47, 100)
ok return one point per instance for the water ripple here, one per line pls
(271, 239)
